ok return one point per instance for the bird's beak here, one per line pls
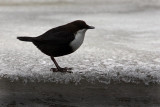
(91, 27)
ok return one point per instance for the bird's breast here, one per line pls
(79, 37)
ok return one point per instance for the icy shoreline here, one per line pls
(118, 64)
(124, 47)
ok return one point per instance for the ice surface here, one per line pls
(124, 47)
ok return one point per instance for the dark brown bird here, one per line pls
(60, 41)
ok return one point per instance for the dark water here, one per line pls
(49, 94)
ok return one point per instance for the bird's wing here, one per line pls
(62, 37)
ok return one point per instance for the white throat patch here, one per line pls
(79, 37)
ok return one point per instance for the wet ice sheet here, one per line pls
(123, 47)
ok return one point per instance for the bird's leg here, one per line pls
(59, 69)
(55, 62)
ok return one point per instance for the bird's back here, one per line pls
(55, 42)
(61, 40)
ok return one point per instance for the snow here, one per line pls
(123, 47)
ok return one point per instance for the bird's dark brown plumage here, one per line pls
(56, 41)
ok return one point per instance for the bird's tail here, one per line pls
(28, 39)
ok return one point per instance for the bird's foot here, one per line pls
(68, 68)
(54, 69)
(64, 70)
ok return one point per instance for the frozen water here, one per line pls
(117, 65)
(123, 47)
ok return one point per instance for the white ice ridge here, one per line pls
(123, 47)
(88, 66)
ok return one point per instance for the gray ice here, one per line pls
(123, 47)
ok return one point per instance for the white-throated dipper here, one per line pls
(60, 41)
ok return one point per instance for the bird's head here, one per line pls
(82, 24)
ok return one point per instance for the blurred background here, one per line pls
(117, 65)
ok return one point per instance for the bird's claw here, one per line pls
(64, 70)
(54, 69)
(68, 68)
